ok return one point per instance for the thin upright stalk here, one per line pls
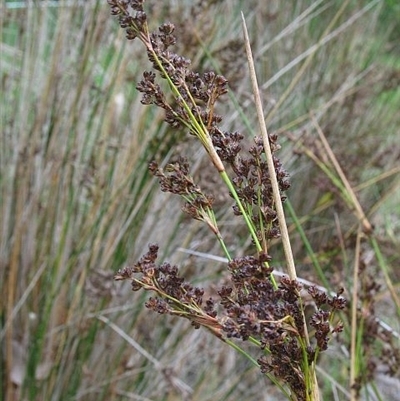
(312, 391)
(354, 325)
(274, 181)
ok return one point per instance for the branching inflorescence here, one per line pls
(253, 307)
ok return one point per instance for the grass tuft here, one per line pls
(77, 201)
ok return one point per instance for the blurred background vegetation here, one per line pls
(77, 202)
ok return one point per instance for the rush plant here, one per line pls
(260, 315)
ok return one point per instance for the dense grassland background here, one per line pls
(77, 202)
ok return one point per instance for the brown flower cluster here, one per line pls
(252, 308)
(174, 295)
(253, 185)
(273, 317)
(380, 348)
(195, 94)
(175, 178)
(193, 108)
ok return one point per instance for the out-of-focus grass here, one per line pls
(77, 202)
(74, 190)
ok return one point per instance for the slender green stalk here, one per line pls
(307, 244)
(385, 270)
(354, 355)
(255, 363)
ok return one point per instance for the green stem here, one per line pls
(307, 244)
(255, 363)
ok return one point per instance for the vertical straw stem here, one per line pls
(312, 389)
(274, 181)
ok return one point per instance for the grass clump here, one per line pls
(78, 202)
